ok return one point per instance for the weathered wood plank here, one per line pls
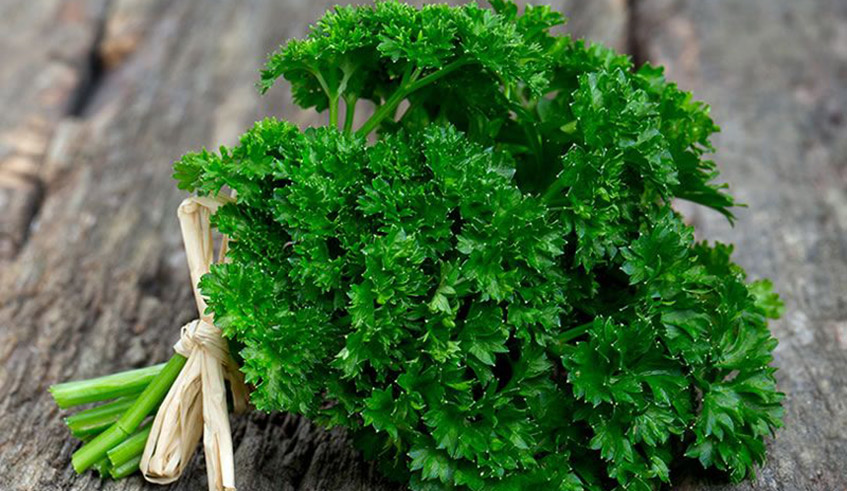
(776, 76)
(45, 48)
(599, 21)
(101, 284)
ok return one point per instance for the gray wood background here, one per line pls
(98, 97)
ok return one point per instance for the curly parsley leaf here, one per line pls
(490, 288)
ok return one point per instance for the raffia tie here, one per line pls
(196, 403)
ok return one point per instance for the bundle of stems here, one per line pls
(114, 431)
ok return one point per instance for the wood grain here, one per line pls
(100, 97)
(45, 49)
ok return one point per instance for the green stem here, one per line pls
(333, 111)
(332, 98)
(382, 112)
(574, 333)
(406, 88)
(102, 468)
(129, 448)
(97, 419)
(126, 469)
(560, 347)
(99, 389)
(152, 396)
(349, 113)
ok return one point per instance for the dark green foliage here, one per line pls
(496, 293)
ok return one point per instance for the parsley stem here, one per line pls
(129, 448)
(575, 332)
(99, 389)
(96, 449)
(94, 420)
(102, 467)
(125, 469)
(349, 113)
(382, 112)
(406, 88)
(333, 111)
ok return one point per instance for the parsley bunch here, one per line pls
(489, 286)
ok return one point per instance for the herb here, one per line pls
(489, 287)
(112, 446)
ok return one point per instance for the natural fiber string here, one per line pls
(196, 403)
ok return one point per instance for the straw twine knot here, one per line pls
(196, 403)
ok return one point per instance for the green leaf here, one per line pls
(486, 281)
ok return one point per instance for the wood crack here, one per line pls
(94, 69)
(634, 45)
(73, 73)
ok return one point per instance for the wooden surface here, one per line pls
(100, 96)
